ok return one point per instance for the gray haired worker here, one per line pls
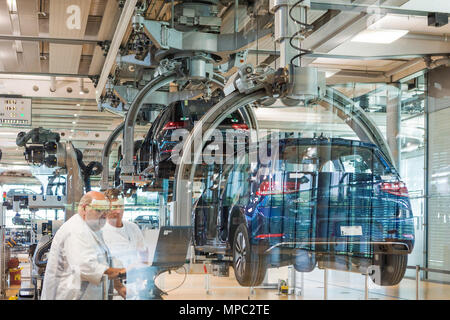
(78, 256)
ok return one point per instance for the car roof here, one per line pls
(327, 141)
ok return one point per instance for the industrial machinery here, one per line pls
(42, 148)
(65, 187)
(168, 61)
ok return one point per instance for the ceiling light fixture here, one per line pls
(383, 36)
(12, 5)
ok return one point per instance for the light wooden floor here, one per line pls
(341, 286)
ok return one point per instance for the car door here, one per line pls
(350, 226)
(293, 208)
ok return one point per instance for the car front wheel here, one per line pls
(249, 265)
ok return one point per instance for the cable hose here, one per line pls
(305, 27)
(172, 289)
(90, 171)
(39, 253)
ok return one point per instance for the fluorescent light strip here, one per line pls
(379, 36)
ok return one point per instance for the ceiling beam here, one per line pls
(66, 58)
(106, 32)
(38, 38)
(116, 41)
(369, 9)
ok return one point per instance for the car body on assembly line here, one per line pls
(334, 203)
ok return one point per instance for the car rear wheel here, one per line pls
(392, 268)
(249, 265)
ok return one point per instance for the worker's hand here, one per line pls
(113, 273)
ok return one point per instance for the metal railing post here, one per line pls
(366, 286)
(207, 283)
(302, 284)
(417, 281)
(325, 284)
(104, 287)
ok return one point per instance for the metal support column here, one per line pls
(104, 183)
(299, 283)
(366, 286)
(2, 253)
(74, 180)
(286, 27)
(393, 122)
(291, 280)
(162, 210)
(325, 284)
(417, 281)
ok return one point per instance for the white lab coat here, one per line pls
(76, 263)
(125, 244)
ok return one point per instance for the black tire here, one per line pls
(392, 268)
(249, 265)
(304, 261)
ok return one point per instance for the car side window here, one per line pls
(163, 120)
(151, 131)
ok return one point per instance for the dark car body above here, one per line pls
(335, 202)
(155, 153)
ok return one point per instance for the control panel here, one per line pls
(15, 112)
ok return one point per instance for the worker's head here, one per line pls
(93, 209)
(115, 214)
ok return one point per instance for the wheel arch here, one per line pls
(235, 218)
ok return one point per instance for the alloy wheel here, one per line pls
(240, 254)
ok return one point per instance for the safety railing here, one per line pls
(366, 280)
(418, 269)
(297, 287)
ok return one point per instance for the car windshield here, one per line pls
(332, 158)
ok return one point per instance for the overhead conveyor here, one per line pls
(177, 60)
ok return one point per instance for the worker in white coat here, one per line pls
(78, 257)
(123, 238)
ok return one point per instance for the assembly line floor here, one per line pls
(341, 286)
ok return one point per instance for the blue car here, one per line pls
(335, 203)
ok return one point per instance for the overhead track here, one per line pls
(336, 102)
(352, 57)
(369, 9)
(49, 40)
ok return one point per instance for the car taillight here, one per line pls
(395, 188)
(274, 187)
(239, 126)
(269, 235)
(172, 125)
